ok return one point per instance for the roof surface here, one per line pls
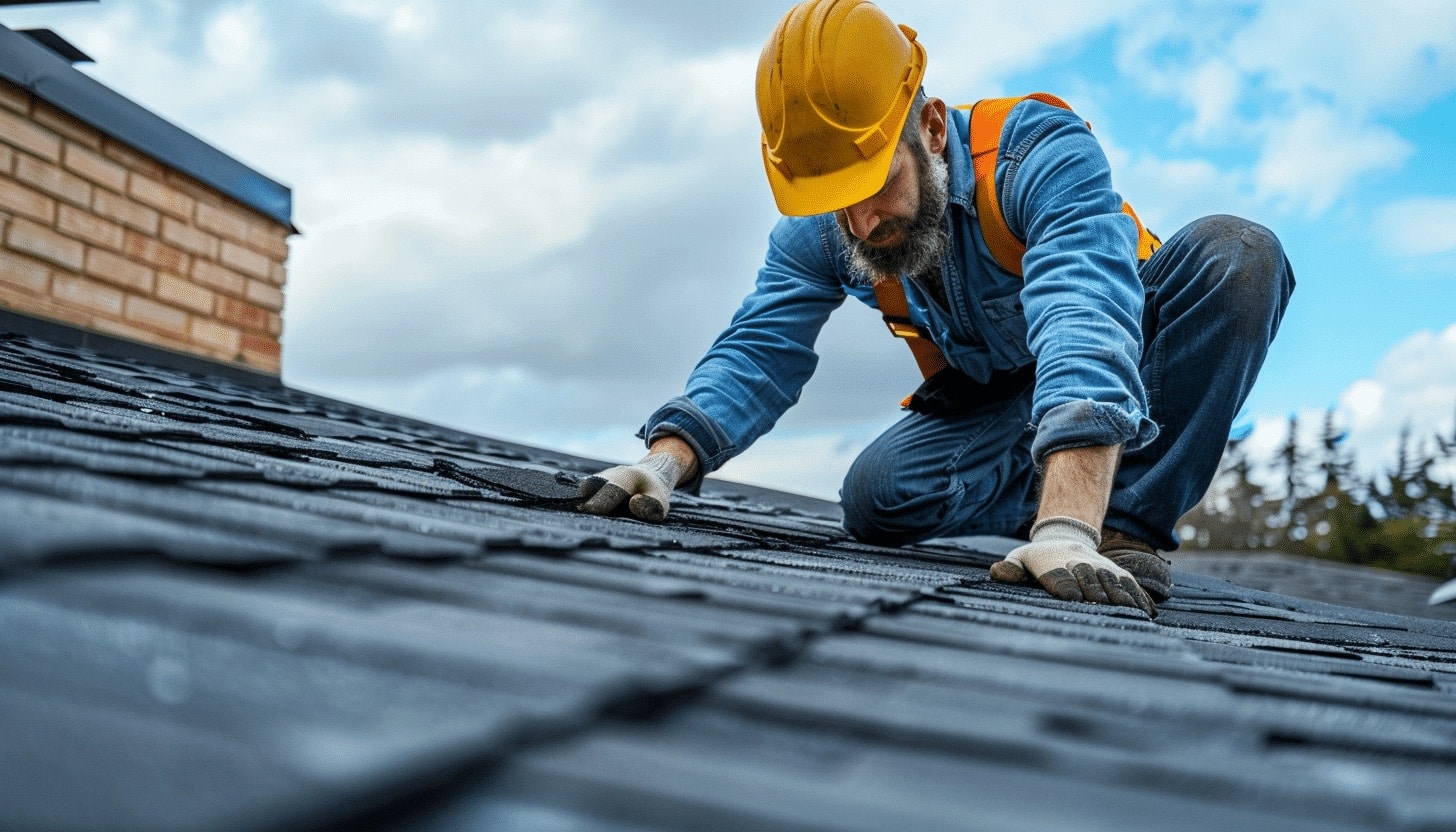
(52, 79)
(1323, 580)
(230, 607)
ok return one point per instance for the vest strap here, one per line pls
(896, 312)
(987, 118)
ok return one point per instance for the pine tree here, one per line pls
(1401, 517)
(1335, 464)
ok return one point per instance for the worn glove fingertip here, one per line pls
(1139, 597)
(588, 486)
(1148, 606)
(647, 507)
(1009, 572)
(1061, 583)
(1089, 581)
(606, 498)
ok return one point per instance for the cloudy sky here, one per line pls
(529, 218)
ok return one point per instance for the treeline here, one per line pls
(1313, 502)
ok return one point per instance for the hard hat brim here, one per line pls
(806, 196)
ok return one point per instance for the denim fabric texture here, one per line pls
(1082, 312)
(1216, 292)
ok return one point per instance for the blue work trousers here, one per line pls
(1213, 298)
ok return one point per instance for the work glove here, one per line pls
(1062, 556)
(646, 486)
(1141, 560)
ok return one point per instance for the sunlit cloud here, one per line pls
(1419, 226)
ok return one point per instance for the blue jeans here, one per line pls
(1213, 298)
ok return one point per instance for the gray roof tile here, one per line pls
(230, 607)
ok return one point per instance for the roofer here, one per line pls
(1082, 377)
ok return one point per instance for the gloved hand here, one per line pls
(648, 484)
(1062, 556)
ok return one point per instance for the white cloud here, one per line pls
(1366, 58)
(1419, 226)
(1305, 82)
(1315, 156)
(1170, 193)
(1214, 90)
(1414, 384)
(234, 41)
(974, 47)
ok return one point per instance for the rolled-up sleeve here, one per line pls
(1082, 296)
(756, 369)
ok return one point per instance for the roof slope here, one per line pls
(229, 607)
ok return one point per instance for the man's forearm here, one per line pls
(1077, 483)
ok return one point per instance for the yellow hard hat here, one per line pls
(835, 83)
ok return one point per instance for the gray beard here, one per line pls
(919, 253)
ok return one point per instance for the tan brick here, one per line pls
(24, 273)
(223, 222)
(278, 274)
(179, 291)
(14, 98)
(187, 237)
(159, 316)
(166, 199)
(191, 187)
(44, 306)
(132, 160)
(125, 211)
(265, 295)
(93, 166)
(52, 180)
(29, 238)
(154, 253)
(223, 341)
(219, 277)
(245, 315)
(261, 351)
(20, 132)
(146, 336)
(245, 260)
(86, 226)
(86, 294)
(24, 302)
(19, 199)
(69, 127)
(7, 159)
(113, 268)
(271, 239)
(275, 325)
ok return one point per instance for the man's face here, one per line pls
(901, 229)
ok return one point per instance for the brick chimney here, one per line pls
(100, 235)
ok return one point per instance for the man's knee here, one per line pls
(1249, 257)
(1237, 265)
(879, 510)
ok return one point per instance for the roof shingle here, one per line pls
(229, 607)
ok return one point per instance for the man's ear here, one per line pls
(932, 125)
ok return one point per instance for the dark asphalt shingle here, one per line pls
(229, 607)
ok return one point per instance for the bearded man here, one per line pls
(1079, 391)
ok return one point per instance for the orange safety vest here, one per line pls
(987, 117)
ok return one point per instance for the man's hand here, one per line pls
(1062, 556)
(646, 487)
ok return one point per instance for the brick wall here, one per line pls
(99, 236)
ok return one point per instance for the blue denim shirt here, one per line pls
(1077, 311)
